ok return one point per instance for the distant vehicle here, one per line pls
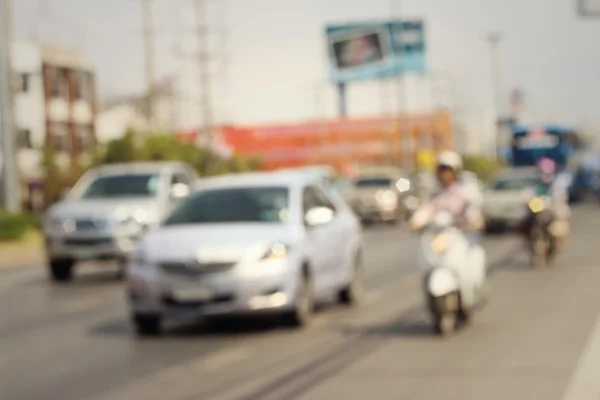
(529, 144)
(260, 243)
(380, 197)
(503, 199)
(109, 210)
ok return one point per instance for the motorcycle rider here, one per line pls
(453, 197)
(552, 185)
(456, 198)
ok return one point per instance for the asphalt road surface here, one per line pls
(535, 340)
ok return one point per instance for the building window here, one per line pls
(83, 86)
(25, 80)
(59, 137)
(24, 139)
(58, 83)
(85, 137)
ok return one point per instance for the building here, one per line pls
(54, 106)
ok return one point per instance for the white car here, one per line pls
(504, 201)
(244, 244)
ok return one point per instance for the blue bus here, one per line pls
(529, 144)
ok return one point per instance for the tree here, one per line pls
(118, 150)
(484, 167)
(52, 177)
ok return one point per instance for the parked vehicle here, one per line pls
(503, 198)
(108, 212)
(259, 243)
(453, 271)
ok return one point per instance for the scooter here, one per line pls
(541, 239)
(454, 274)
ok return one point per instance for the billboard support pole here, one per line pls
(342, 100)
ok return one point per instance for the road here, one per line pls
(73, 342)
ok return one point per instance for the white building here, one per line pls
(54, 107)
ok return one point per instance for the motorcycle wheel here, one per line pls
(445, 324)
(446, 321)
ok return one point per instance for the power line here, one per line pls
(204, 66)
(148, 34)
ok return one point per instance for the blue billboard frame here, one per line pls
(402, 46)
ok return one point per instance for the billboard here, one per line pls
(589, 8)
(341, 142)
(370, 51)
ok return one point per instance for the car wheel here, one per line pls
(61, 270)
(304, 304)
(147, 325)
(352, 294)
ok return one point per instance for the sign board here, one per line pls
(370, 51)
(589, 8)
(537, 139)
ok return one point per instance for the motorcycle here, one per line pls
(454, 274)
(541, 238)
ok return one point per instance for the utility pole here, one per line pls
(403, 100)
(8, 163)
(204, 63)
(148, 34)
(496, 79)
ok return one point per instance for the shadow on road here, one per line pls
(213, 327)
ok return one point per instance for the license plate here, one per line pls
(84, 253)
(194, 293)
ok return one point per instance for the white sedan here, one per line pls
(244, 244)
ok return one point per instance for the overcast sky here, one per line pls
(275, 48)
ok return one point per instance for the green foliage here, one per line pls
(134, 147)
(13, 226)
(484, 167)
(166, 147)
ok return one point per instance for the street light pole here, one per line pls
(8, 164)
(494, 40)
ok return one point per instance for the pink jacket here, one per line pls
(456, 200)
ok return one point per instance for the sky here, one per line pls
(271, 63)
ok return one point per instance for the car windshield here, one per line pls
(124, 185)
(515, 183)
(233, 205)
(372, 182)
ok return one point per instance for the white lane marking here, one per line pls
(584, 383)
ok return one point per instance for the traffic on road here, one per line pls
(216, 292)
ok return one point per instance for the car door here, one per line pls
(341, 235)
(319, 242)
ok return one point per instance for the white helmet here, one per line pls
(450, 159)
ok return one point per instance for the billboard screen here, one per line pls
(370, 51)
(364, 49)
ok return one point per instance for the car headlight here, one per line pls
(277, 251)
(403, 185)
(386, 197)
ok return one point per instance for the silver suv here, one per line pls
(109, 210)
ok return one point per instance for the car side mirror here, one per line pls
(179, 191)
(318, 216)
